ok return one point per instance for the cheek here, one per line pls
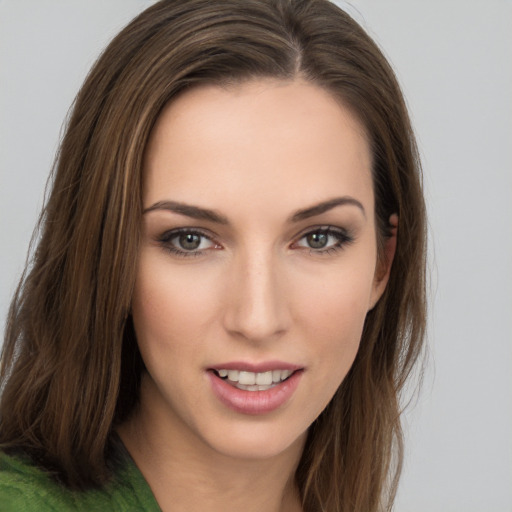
(338, 297)
(332, 321)
(337, 326)
(334, 313)
(170, 310)
(171, 304)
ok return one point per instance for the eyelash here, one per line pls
(343, 237)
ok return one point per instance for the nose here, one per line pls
(257, 302)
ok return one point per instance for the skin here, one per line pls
(253, 291)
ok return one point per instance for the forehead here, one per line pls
(290, 142)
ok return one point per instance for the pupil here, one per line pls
(317, 240)
(190, 241)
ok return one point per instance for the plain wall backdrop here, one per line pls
(454, 61)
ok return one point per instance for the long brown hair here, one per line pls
(70, 368)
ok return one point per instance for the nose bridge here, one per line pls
(258, 307)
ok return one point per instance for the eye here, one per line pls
(186, 242)
(325, 240)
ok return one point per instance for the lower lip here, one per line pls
(254, 402)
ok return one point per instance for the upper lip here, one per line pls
(256, 367)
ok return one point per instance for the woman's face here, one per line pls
(257, 265)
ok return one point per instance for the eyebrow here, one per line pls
(325, 206)
(196, 212)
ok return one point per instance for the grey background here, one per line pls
(454, 61)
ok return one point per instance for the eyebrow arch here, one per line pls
(195, 212)
(326, 206)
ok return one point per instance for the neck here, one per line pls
(186, 474)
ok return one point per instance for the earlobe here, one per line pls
(384, 263)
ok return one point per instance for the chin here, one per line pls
(256, 442)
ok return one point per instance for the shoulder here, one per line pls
(25, 487)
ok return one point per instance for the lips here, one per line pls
(254, 389)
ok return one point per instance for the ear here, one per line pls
(383, 267)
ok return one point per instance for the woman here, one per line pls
(228, 292)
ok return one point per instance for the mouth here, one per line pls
(255, 389)
(253, 381)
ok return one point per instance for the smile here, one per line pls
(254, 381)
(255, 388)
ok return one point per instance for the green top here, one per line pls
(26, 488)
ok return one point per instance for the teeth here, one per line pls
(246, 380)
(233, 375)
(264, 379)
(285, 374)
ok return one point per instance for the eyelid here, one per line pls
(324, 228)
(171, 233)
